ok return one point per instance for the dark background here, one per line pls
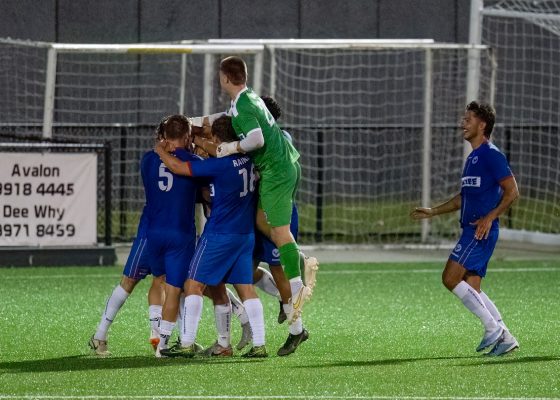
(129, 21)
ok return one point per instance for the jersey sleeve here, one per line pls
(208, 168)
(498, 166)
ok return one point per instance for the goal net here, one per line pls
(376, 123)
(377, 127)
(526, 35)
(107, 93)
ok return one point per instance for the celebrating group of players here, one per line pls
(247, 151)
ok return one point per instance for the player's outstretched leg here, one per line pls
(98, 342)
(266, 283)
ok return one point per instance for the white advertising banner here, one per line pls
(48, 199)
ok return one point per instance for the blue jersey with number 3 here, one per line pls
(232, 191)
(170, 198)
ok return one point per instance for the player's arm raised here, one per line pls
(450, 205)
(206, 120)
(175, 165)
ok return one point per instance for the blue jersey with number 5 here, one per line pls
(233, 193)
(170, 198)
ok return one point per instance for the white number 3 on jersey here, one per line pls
(165, 181)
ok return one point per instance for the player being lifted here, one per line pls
(488, 188)
(276, 284)
(224, 251)
(266, 251)
(277, 162)
(165, 240)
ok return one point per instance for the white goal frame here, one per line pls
(258, 47)
(477, 14)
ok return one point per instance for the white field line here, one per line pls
(302, 397)
(330, 272)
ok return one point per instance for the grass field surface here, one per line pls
(376, 331)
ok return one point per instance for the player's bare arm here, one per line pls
(450, 205)
(206, 145)
(175, 165)
(511, 193)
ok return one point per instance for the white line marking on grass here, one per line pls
(332, 272)
(303, 397)
(430, 271)
(63, 276)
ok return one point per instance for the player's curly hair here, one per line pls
(235, 69)
(223, 129)
(272, 106)
(485, 112)
(173, 127)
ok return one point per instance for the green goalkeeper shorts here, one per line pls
(277, 191)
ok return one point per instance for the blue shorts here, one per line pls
(265, 249)
(222, 257)
(137, 265)
(159, 254)
(474, 254)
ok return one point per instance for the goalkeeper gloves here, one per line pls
(226, 149)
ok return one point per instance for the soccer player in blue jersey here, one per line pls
(224, 252)
(488, 188)
(165, 240)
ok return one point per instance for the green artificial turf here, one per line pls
(376, 330)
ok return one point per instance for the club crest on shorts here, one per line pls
(458, 247)
(275, 253)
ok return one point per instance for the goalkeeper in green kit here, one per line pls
(279, 170)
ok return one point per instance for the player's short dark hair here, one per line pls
(173, 127)
(485, 112)
(272, 106)
(235, 69)
(223, 129)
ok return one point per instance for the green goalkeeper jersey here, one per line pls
(248, 113)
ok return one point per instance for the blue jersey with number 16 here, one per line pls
(232, 191)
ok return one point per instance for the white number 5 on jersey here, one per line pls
(165, 182)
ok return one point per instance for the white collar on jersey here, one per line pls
(234, 101)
